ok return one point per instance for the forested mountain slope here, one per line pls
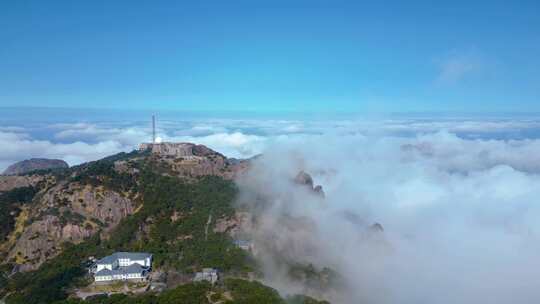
(140, 201)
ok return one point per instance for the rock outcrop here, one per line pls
(10, 182)
(66, 213)
(235, 225)
(376, 227)
(191, 160)
(304, 179)
(43, 239)
(75, 206)
(34, 164)
(319, 190)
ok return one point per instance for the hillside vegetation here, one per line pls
(10, 207)
(173, 219)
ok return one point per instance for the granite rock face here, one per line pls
(235, 225)
(33, 164)
(304, 179)
(70, 208)
(10, 182)
(67, 212)
(376, 227)
(191, 160)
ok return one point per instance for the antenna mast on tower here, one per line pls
(153, 129)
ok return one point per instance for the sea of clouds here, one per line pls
(459, 198)
(66, 137)
(460, 216)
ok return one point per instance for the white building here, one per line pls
(244, 244)
(207, 274)
(123, 266)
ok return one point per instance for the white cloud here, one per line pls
(460, 227)
(456, 66)
(235, 144)
(245, 138)
(447, 190)
(452, 153)
(17, 147)
(77, 143)
(131, 136)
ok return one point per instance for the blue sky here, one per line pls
(271, 56)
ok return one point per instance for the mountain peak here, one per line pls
(33, 164)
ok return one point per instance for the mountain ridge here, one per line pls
(34, 164)
(150, 199)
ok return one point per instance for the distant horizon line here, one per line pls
(276, 112)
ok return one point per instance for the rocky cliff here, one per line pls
(191, 160)
(304, 179)
(34, 164)
(79, 202)
(159, 199)
(9, 182)
(67, 212)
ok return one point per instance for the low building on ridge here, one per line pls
(123, 266)
(207, 274)
(244, 244)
